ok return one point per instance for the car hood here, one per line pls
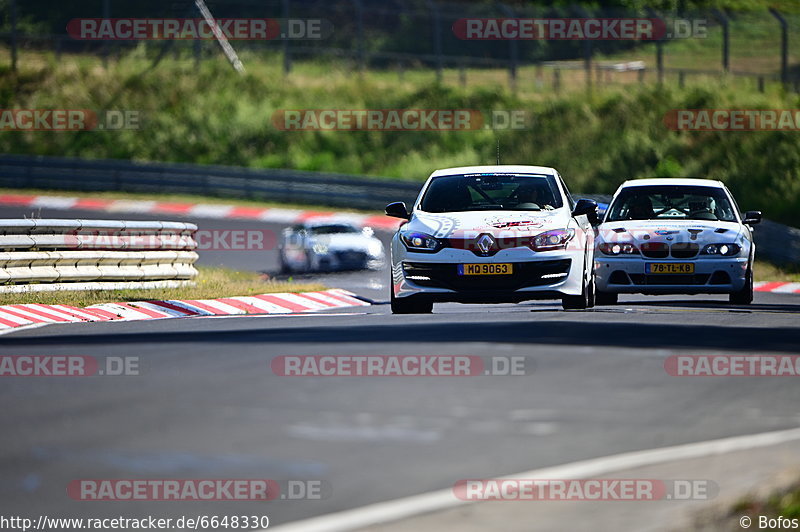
(345, 241)
(447, 225)
(700, 231)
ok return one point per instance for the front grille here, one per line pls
(525, 274)
(655, 250)
(351, 259)
(687, 280)
(684, 250)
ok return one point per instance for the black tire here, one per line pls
(745, 295)
(591, 296)
(411, 305)
(583, 301)
(408, 305)
(284, 268)
(580, 302)
(606, 298)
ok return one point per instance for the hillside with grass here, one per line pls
(209, 114)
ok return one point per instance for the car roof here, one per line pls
(332, 220)
(672, 181)
(496, 169)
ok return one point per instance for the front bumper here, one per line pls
(347, 260)
(626, 275)
(544, 275)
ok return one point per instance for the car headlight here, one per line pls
(415, 241)
(551, 240)
(618, 248)
(725, 250)
(375, 249)
(320, 249)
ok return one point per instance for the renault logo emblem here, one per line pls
(485, 243)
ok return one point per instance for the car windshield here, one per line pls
(671, 202)
(333, 229)
(474, 192)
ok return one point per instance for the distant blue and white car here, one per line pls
(321, 245)
(675, 236)
(492, 234)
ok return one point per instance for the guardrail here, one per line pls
(289, 186)
(95, 254)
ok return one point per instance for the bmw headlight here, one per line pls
(320, 249)
(618, 248)
(724, 250)
(416, 241)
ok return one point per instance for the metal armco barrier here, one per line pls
(64, 254)
(291, 186)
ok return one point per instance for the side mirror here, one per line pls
(398, 210)
(752, 217)
(588, 208)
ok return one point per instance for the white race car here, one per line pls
(329, 245)
(675, 236)
(492, 234)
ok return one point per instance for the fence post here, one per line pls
(287, 54)
(723, 19)
(13, 35)
(462, 75)
(106, 15)
(557, 80)
(197, 52)
(437, 37)
(587, 52)
(659, 50)
(760, 83)
(784, 45)
(513, 51)
(360, 34)
(681, 79)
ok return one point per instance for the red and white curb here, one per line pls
(777, 288)
(195, 210)
(12, 316)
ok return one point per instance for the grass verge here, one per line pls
(212, 282)
(766, 271)
(783, 502)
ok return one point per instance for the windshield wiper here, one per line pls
(485, 207)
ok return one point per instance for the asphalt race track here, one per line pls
(207, 404)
